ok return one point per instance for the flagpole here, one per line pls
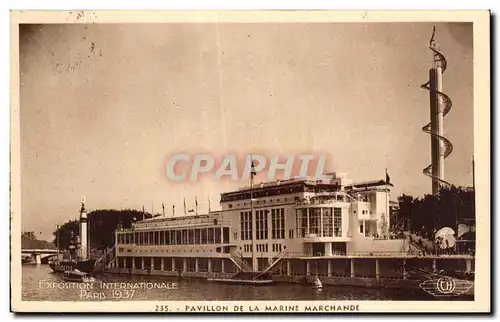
(58, 241)
(254, 235)
(473, 175)
(386, 198)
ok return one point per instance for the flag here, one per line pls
(163, 208)
(208, 204)
(142, 212)
(173, 209)
(184, 205)
(252, 169)
(387, 178)
(196, 201)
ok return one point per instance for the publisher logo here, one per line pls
(446, 286)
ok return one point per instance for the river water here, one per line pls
(39, 284)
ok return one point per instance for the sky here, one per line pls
(103, 107)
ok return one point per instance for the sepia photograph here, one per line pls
(273, 162)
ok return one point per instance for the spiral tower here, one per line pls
(440, 106)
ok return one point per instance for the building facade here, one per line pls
(297, 218)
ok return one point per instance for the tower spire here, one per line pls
(440, 105)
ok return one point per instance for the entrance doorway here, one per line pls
(318, 249)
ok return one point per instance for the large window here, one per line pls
(278, 222)
(337, 222)
(301, 223)
(261, 224)
(314, 217)
(204, 238)
(197, 236)
(217, 232)
(327, 222)
(191, 237)
(210, 235)
(245, 225)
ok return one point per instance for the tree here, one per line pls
(102, 224)
(426, 215)
(62, 236)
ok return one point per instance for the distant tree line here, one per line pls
(102, 224)
(30, 241)
(424, 216)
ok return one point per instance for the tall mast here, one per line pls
(473, 175)
(58, 242)
(254, 233)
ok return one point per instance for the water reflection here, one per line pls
(201, 290)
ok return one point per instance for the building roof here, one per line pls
(367, 184)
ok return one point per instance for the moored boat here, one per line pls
(86, 266)
(246, 278)
(77, 276)
(317, 283)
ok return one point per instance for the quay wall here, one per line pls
(366, 272)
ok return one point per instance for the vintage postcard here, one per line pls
(250, 161)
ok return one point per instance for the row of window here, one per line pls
(258, 202)
(263, 248)
(319, 221)
(198, 236)
(277, 248)
(263, 193)
(261, 224)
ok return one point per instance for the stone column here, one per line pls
(184, 265)
(152, 264)
(133, 262)
(353, 272)
(288, 268)
(209, 264)
(308, 268)
(38, 259)
(196, 267)
(222, 265)
(321, 222)
(329, 268)
(328, 249)
(468, 265)
(173, 263)
(142, 263)
(377, 269)
(307, 214)
(162, 264)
